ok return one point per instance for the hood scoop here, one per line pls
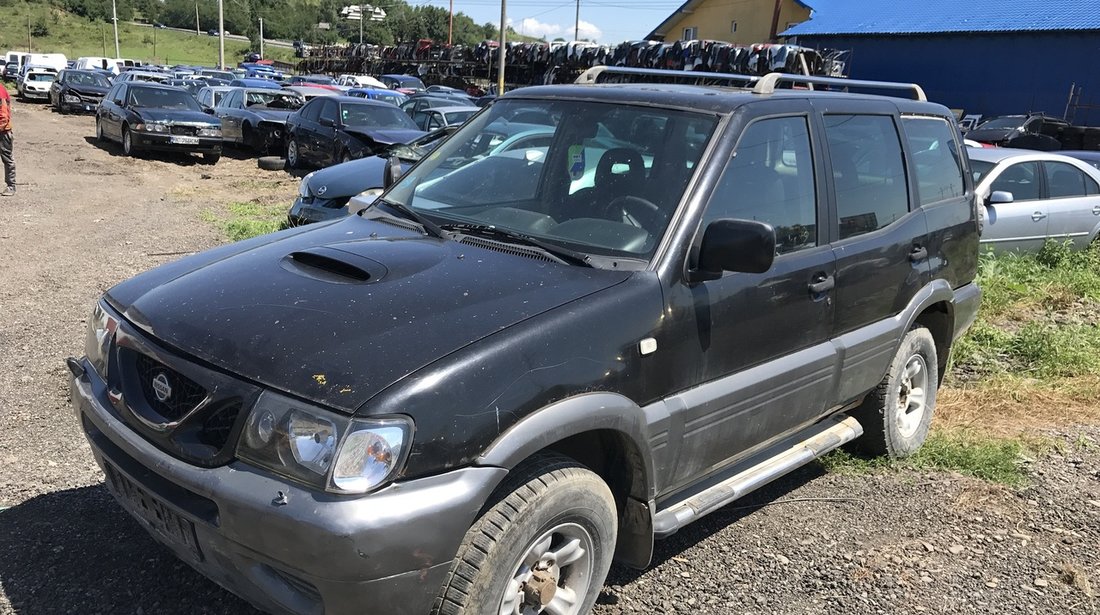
(326, 264)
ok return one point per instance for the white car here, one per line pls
(1031, 196)
(360, 81)
(35, 85)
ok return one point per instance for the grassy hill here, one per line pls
(76, 36)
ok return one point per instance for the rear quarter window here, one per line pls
(936, 159)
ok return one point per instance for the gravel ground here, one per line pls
(86, 217)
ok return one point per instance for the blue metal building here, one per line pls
(989, 57)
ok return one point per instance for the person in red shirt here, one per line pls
(6, 144)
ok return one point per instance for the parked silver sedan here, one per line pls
(1031, 196)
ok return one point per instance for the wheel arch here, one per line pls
(934, 309)
(605, 432)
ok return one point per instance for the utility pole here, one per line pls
(221, 34)
(197, 17)
(360, 24)
(154, 43)
(103, 38)
(451, 25)
(503, 40)
(114, 20)
(261, 38)
(577, 23)
(30, 48)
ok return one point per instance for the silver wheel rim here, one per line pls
(553, 576)
(126, 142)
(912, 395)
(292, 152)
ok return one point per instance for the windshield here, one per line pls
(163, 99)
(374, 116)
(1000, 123)
(411, 83)
(41, 77)
(91, 79)
(219, 74)
(606, 181)
(393, 99)
(273, 99)
(317, 79)
(979, 169)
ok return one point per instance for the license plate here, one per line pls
(184, 140)
(154, 514)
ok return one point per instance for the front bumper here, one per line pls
(282, 547)
(163, 143)
(36, 94)
(313, 209)
(82, 104)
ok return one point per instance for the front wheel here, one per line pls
(897, 414)
(211, 157)
(545, 546)
(99, 136)
(127, 141)
(292, 153)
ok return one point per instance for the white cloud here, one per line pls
(533, 27)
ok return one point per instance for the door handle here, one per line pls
(1096, 210)
(918, 253)
(1035, 217)
(822, 283)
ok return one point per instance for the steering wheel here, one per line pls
(645, 214)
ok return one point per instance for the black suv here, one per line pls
(522, 363)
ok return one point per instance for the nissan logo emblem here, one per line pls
(161, 387)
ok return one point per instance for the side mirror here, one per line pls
(999, 197)
(208, 110)
(392, 172)
(745, 246)
(329, 122)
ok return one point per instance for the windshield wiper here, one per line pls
(493, 232)
(411, 214)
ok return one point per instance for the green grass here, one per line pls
(246, 220)
(970, 453)
(76, 36)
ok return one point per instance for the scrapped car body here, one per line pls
(256, 117)
(516, 367)
(78, 90)
(331, 130)
(1030, 197)
(35, 84)
(1034, 131)
(144, 116)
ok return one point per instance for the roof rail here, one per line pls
(767, 83)
(593, 74)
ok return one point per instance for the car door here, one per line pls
(324, 137)
(881, 237)
(1022, 224)
(302, 126)
(1073, 202)
(759, 342)
(114, 113)
(228, 112)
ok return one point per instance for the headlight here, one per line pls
(97, 342)
(303, 186)
(69, 98)
(321, 448)
(371, 194)
(210, 132)
(151, 127)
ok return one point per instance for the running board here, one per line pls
(808, 445)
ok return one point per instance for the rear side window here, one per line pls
(771, 179)
(935, 158)
(1065, 180)
(328, 111)
(309, 112)
(868, 172)
(1021, 179)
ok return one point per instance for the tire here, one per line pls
(546, 508)
(271, 163)
(292, 154)
(211, 157)
(246, 137)
(127, 142)
(895, 420)
(99, 136)
(345, 157)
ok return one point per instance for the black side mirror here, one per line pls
(208, 110)
(329, 122)
(393, 171)
(745, 246)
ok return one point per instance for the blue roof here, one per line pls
(933, 16)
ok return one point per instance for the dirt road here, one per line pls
(890, 542)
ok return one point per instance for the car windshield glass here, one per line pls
(457, 117)
(1010, 121)
(374, 116)
(411, 83)
(274, 99)
(601, 179)
(41, 77)
(319, 79)
(979, 169)
(91, 79)
(217, 74)
(390, 98)
(163, 99)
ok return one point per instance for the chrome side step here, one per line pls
(808, 445)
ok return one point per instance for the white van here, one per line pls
(55, 61)
(16, 56)
(97, 63)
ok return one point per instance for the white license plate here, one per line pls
(184, 140)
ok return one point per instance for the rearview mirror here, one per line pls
(745, 246)
(1000, 196)
(392, 172)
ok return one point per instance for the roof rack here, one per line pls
(760, 85)
(593, 74)
(767, 83)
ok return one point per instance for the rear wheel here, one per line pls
(127, 141)
(292, 153)
(545, 546)
(99, 136)
(897, 414)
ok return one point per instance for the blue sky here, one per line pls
(608, 21)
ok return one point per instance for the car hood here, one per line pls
(991, 135)
(273, 115)
(88, 90)
(177, 115)
(348, 179)
(338, 312)
(386, 136)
